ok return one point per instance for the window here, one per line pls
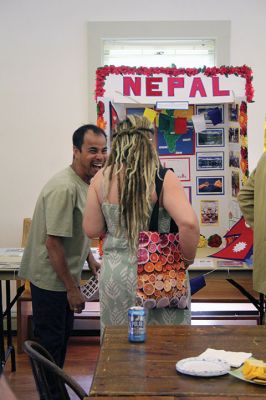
(136, 31)
(159, 53)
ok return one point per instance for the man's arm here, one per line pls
(58, 261)
(246, 199)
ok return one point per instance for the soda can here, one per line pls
(137, 324)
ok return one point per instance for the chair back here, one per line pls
(51, 380)
(25, 231)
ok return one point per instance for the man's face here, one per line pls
(93, 154)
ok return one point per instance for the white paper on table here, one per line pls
(234, 358)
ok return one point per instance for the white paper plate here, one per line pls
(202, 367)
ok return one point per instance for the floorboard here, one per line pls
(80, 364)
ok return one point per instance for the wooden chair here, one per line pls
(25, 231)
(24, 308)
(49, 376)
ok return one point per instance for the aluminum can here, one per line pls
(137, 324)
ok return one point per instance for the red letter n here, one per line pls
(131, 85)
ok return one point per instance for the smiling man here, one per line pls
(57, 247)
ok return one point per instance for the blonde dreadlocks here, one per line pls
(134, 157)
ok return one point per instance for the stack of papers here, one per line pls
(11, 255)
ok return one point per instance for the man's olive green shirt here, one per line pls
(58, 212)
(252, 201)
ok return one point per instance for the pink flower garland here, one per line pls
(244, 72)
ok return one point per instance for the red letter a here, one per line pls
(197, 85)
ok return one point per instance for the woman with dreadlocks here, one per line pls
(119, 205)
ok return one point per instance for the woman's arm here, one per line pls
(177, 205)
(93, 219)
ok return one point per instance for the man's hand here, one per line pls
(93, 264)
(76, 299)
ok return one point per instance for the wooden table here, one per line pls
(148, 369)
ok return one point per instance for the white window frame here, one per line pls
(97, 31)
(187, 53)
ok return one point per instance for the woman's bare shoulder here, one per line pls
(171, 179)
(98, 177)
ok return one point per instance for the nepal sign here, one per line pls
(127, 85)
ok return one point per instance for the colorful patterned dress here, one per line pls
(118, 278)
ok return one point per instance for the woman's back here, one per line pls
(118, 278)
(120, 202)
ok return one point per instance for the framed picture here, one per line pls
(211, 137)
(233, 110)
(210, 161)
(204, 108)
(235, 183)
(234, 157)
(210, 185)
(180, 165)
(209, 212)
(233, 135)
(187, 190)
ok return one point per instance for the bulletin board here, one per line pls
(200, 118)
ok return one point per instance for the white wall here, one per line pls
(44, 63)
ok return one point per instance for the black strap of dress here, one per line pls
(154, 221)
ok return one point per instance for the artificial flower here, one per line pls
(101, 123)
(242, 119)
(244, 152)
(243, 107)
(100, 108)
(244, 165)
(243, 131)
(244, 141)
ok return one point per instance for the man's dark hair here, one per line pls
(78, 135)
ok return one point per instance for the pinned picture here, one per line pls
(233, 112)
(135, 110)
(187, 190)
(234, 210)
(207, 110)
(233, 135)
(180, 166)
(209, 185)
(234, 159)
(209, 212)
(170, 143)
(235, 183)
(210, 161)
(211, 137)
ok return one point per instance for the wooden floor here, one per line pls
(80, 363)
